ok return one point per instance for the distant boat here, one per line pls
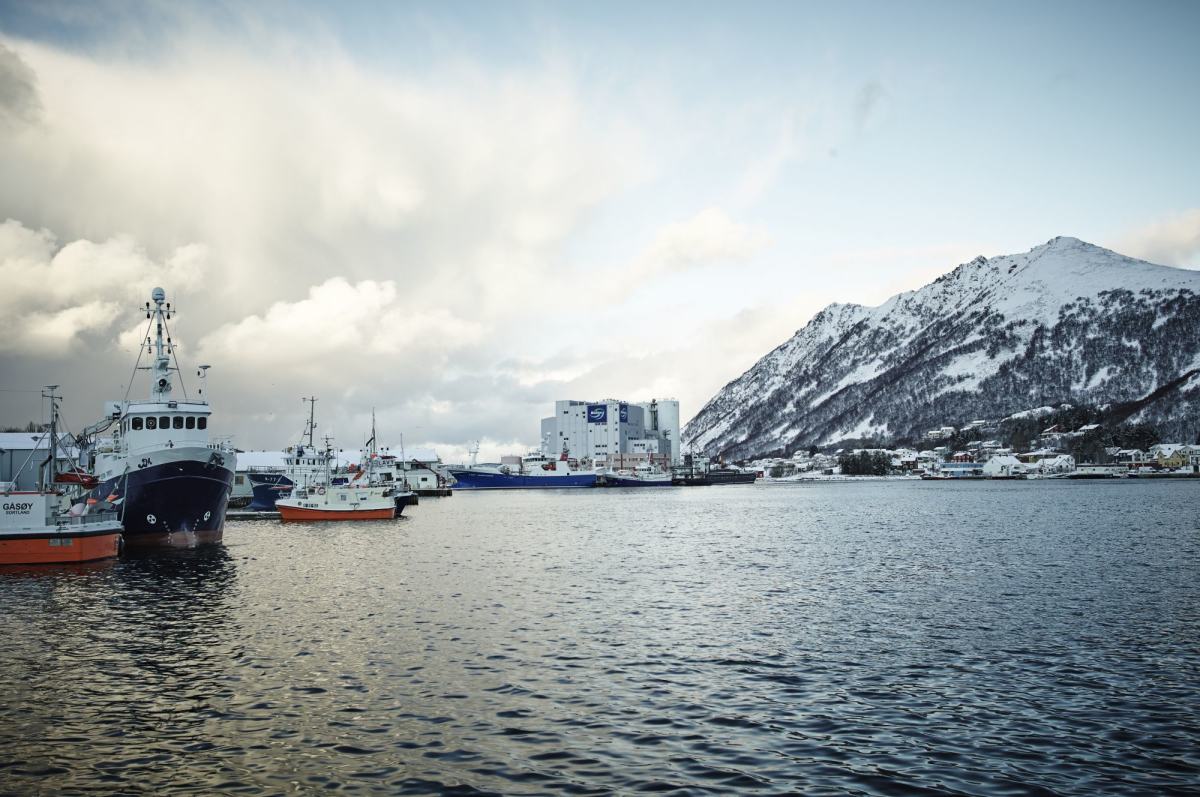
(536, 471)
(304, 464)
(731, 476)
(640, 476)
(43, 526)
(382, 471)
(321, 500)
(340, 502)
(700, 474)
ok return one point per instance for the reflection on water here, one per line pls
(833, 638)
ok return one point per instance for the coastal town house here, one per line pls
(1002, 466)
(1168, 455)
(1063, 463)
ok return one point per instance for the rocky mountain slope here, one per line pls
(1065, 322)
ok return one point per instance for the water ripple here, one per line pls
(868, 638)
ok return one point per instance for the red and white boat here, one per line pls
(39, 528)
(317, 500)
(43, 526)
(342, 502)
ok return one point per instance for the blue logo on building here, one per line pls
(597, 413)
(624, 413)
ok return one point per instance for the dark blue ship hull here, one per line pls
(172, 503)
(468, 479)
(266, 487)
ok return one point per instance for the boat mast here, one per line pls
(160, 387)
(312, 423)
(328, 480)
(403, 466)
(372, 450)
(49, 473)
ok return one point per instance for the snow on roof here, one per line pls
(260, 459)
(27, 441)
(1036, 412)
(1089, 427)
(419, 454)
(18, 441)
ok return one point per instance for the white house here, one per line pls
(1063, 463)
(1002, 466)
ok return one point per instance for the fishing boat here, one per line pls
(45, 526)
(336, 502)
(304, 464)
(169, 481)
(535, 471)
(321, 497)
(379, 470)
(642, 475)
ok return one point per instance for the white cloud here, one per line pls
(1173, 241)
(710, 237)
(305, 162)
(53, 294)
(352, 326)
(325, 227)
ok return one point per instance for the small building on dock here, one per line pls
(23, 455)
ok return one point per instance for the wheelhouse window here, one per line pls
(152, 422)
(202, 423)
(177, 422)
(191, 422)
(164, 422)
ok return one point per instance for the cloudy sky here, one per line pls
(457, 213)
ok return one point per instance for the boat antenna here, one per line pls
(48, 473)
(371, 448)
(312, 423)
(403, 467)
(171, 346)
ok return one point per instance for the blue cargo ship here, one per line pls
(536, 471)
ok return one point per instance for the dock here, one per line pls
(435, 492)
(245, 514)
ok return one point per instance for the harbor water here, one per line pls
(829, 638)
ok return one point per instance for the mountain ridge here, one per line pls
(1065, 321)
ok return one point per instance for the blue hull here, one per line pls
(266, 487)
(155, 502)
(484, 480)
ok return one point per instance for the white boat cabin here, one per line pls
(154, 425)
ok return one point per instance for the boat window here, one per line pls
(164, 422)
(177, 422)
(137, 424)
(152, 422)
(191, 422)
(202, 423)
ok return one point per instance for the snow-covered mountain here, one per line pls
(1065, 322)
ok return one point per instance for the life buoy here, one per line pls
(320, 491)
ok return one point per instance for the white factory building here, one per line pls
(614, 432)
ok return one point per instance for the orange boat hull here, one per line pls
(59, 549)
(291, 514)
